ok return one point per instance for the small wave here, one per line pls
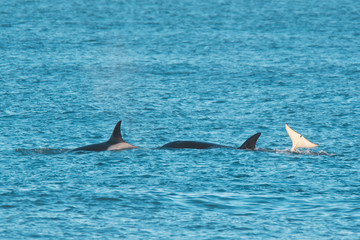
(7, 206)
(299, 152)
(110, 199)
(44, 151)
(308, 152)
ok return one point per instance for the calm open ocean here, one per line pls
(215, 71)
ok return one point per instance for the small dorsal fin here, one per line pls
(116, 135)
(250, 143)
(298, 141)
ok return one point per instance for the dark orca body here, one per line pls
(116, 142)
(249, 144)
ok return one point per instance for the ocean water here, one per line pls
(216, 71)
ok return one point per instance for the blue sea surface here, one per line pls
(215, 71)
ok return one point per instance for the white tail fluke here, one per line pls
(298, 140)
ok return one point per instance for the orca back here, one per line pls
(115, 142)
(192, 144)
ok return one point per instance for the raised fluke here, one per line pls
(298, 141)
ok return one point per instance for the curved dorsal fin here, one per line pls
(298, 141)
(250, 143)
(116, 134)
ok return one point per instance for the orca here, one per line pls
(298, 141)
(249, 144)
(115, 143)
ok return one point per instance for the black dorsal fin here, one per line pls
(116, 135)
(250, 143)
